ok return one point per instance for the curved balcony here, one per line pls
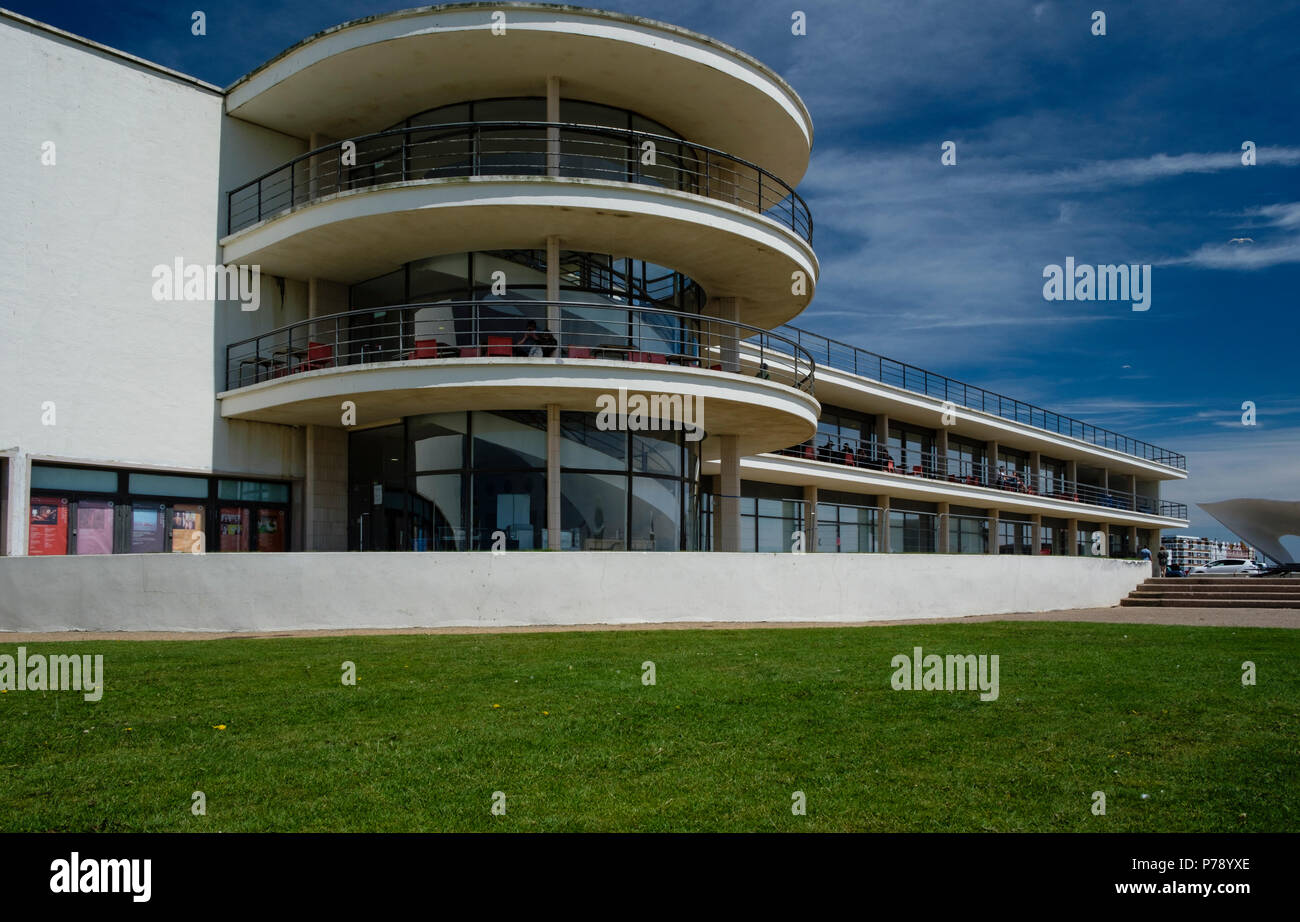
(867, 455)
(369, 73)
(471, 149)
(508, 354)
(410, 193)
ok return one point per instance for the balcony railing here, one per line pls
(929, 466)
(561, 149)
(842, 356)
(503, 328)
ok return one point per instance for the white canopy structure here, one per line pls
(1260, 522)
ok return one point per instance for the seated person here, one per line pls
(535, 344)
(827, 451)
(848, 457)
(763, 372)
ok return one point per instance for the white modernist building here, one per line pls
(375, 295)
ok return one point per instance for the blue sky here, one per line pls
(1123, 148)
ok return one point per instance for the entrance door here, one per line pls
(377, 514)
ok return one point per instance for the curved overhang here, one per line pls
(359, 234)
(368, 74)
(797, 471)
(764, 415)
(1261, 523)
(869, 395)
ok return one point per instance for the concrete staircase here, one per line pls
(1217, 592)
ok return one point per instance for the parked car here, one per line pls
(1228, 566)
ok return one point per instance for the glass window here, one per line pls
(657, 453)
(656, 514)
(47, 530)
(436, 520)
(48, 477)
(270, 530)
(438, 441)
(253, 491)
(95, 526)
(583, 446)
(233, 528)
(148, 528)
(187, 529)
(168, 485)
(513, 503)
(593, 512)
(509, 439)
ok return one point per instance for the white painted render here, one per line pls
(272, 592)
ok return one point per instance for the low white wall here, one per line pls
(272, 592)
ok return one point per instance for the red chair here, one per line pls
(500, 345)
(424, 349)
(638, 356)
(916, 470)
(579, 352)
(658, 358)
(809, 453)
(715, 368)
(319, 355)
(470, 352)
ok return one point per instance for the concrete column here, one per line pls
(944, 510)
(884, 524)
(553, 520)
(991, 471)
(1133, 490)
(1072, 538)
(1072, 476)
(941, 453)
(810, 518)
(325, 490)
(1133, 540)
(553, 285)
(993, 532)
(725, 336)
(1104, 528)
(1035, 469)
(882, 435)
(552, 134)
(729, 501)
(1036, 533)
(17, 504)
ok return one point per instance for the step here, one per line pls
(1235, 602)
(1219, 590)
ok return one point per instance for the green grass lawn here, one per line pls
(737, 721)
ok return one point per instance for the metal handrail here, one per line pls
(845, 357)
(864, 453)
(564, 149)
(500, 327)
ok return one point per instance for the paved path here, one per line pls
(1217, 617)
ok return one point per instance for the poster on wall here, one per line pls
(47, 533)
(187, 530)
(94, 526)
(234, 529)
(270, 530)
(146, 528)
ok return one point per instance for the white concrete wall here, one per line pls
(143, 159)
(272, 592)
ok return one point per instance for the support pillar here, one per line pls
(1072, 538)
(941, 453)
(325, 490)
(991, 464)
(1133, 540)
(553, 520)
(1104, 528)
(728, 509)
(17, 504)
(1035, 472)
(882, 435)
(944, 510)
(994, 548)
(1036, 531)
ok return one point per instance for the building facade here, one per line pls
(476, 277)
